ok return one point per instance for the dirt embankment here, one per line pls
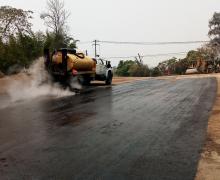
(209, 165)
(6, 81)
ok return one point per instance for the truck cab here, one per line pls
(103, 71)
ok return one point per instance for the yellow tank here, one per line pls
(77, 61)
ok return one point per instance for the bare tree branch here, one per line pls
(56, 16)
(14, 21)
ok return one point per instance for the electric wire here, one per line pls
(152, 43)
(147, 55)
(144, 43)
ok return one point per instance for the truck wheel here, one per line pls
(86, 81)
(108, 80)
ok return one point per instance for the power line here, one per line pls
(165, 54)
(153, 43)
(84, 42)
(144, 43)
(147, 55)
(98, 42)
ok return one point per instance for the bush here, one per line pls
(19, 51)
(132, 68)
(155, 72)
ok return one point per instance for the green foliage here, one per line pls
(207, 53)
(172, 66)
(214, 30)
(19, 45)
(123, 68)
(137, 70)
(56, 41)
(181, 66)
(155, 72)
(193, 56)
(132, 68)
(20, 51)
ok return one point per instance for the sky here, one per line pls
(132, 20)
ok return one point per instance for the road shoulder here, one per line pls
(209, 164)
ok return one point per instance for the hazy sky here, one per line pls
(132, 20)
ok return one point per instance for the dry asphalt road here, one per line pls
(150, 129)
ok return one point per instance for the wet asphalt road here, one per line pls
(152, 129)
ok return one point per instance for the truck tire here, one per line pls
(86, 81)
(108, 80)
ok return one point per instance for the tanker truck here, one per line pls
(67, 64)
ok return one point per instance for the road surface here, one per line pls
(151, 129)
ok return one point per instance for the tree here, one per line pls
(207, 53)
(14, 21)
(168, 66)
(19, 45)
(181, 66)
(132, 68)
(53, 41)
(192, 55)
(171, 65)
(155, 72)
(56, 16)
(214, 30)
(123, 67)
(139, 70)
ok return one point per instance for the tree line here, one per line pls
(205, 59)
(20, 45)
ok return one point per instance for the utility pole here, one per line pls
(140, 58)
(95, 48)
(95, 44)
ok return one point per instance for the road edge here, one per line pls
(209, 163)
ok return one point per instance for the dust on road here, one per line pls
(33, 83)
